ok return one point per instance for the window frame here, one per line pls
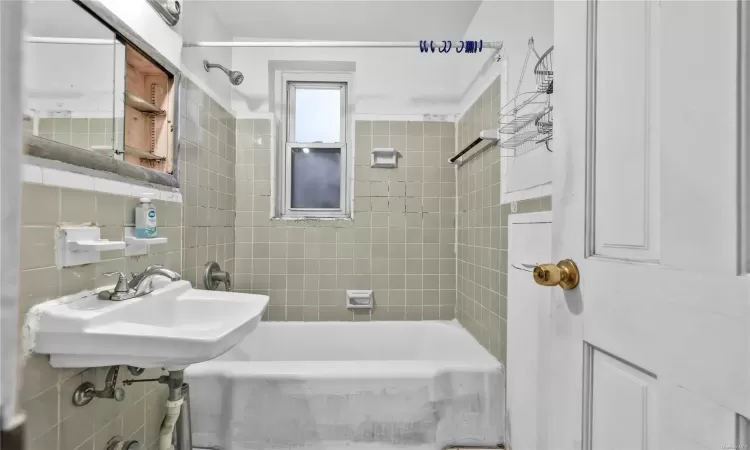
(289, 83)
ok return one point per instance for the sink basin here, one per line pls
(172, 327)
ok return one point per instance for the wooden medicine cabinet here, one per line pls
(148, 113)
(121, 117)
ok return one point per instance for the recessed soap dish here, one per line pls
(384, 157)
(359, 299)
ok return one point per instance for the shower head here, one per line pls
(235, 76)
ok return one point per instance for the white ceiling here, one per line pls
(349, 20)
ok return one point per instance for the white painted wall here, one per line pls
(200, 22)
(513, 22)
(387, 81)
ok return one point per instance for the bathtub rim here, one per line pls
(352, 368)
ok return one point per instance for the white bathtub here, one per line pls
(327, 385)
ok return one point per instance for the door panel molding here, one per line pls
(622, 397)
(588, 402)
(589, 226)
(622, 180)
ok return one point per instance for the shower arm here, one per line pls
(207, 65)
(235, 77)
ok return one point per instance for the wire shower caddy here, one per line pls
(527, 120)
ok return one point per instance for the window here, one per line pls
(314, 158)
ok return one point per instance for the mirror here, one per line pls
(75, 78)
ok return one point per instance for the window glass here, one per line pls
(317, 115)
(316, 178)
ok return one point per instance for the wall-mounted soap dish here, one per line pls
(139, 246)
(384, 157)
(359, 299)
(81, 245)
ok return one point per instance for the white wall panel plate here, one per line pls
(81, 245)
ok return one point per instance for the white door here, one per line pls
(652, 349)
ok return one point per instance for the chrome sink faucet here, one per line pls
(139, 279)
(140, 285)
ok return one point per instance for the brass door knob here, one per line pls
(565, 274)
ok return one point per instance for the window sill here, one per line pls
(315, 221)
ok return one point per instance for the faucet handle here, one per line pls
(122, 281)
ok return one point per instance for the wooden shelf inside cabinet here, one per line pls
(149, 102)
(143, 154)
(142, 105)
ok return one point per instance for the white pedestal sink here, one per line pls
(172, 327)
